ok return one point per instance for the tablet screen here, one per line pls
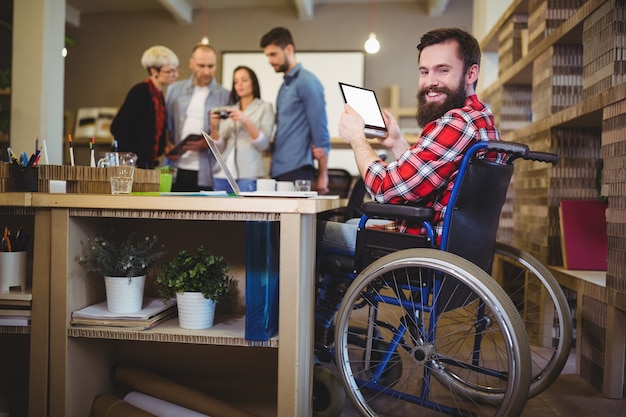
(365, 103)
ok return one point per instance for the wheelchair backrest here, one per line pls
(470, 230)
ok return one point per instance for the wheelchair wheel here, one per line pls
(443, 328)
(328, 395)
(543, 308)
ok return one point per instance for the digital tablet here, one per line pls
(364, 102)
(178, 149)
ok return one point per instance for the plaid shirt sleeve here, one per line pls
(425, 167)
(430, 166)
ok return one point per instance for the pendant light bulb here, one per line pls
(371, 44)
(204, 40)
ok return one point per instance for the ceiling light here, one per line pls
(371, 44)
(205, 23)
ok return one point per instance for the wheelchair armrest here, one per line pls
(398, 211)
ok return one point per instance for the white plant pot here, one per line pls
(124, 295)
(194, 311)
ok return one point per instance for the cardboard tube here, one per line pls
(164, 389)
(107, 405)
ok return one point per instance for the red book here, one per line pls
(584, 241)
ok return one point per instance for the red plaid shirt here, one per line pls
(433, 162)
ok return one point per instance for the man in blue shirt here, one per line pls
(301, 123)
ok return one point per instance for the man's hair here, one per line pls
(278, 36)
(204, 46)
(468, 47)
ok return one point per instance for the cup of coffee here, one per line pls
(121, 171)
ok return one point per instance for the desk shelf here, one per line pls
(227, 331)
(19, 377)
(82, 358)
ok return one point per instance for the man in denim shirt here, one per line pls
(188, 103)
(302, 131)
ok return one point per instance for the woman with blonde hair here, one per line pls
(140, 123)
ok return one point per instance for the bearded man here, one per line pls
(452, 120)
(301, 132)
(451, 117)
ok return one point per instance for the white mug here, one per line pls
(285, 186)
(265, 184)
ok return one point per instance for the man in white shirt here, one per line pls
(188, 103)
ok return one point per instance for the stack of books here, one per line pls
(604, 57)
(613, 187)
(154, 311)
(15, 308)
(547, 15)
(512, 41)
(557, 80)
(542, 187)
(511, 107)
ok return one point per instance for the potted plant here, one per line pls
(198, 279)
(124, 265)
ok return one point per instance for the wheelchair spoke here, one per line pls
(459, 351)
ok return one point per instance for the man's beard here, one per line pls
(282, 67)
(428, 112)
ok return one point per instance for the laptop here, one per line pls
(233, 184)
(364, 102)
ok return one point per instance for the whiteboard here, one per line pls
(329, 67)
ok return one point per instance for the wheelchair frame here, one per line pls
(508, 398)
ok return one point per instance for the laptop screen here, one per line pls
(218, 157)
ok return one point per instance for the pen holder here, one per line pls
(13, 271)
(24, 179)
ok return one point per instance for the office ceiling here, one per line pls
(182, 10)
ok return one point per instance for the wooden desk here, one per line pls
(592, 285)
(16, 207)
(80, 365)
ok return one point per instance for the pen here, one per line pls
(7, 240)
(71, 150)
(92, 144)
(45, 152)
(31, 160)
(12, 156)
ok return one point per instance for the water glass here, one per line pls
(121, 167)
(303, 185)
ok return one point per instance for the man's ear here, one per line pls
(472, 75)
(289, 50)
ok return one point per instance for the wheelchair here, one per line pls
(424, 327)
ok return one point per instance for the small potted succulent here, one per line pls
(198, 279)
(124, 265)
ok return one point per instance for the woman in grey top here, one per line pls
(243, 132)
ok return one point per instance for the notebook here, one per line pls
(233, 184)
(364, 102)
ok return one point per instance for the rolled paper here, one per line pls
(164, 389)
(107, 405)
(159, 407)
